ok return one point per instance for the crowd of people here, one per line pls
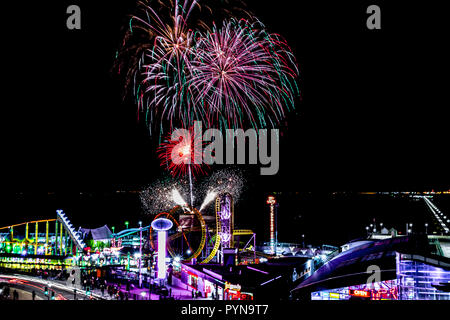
(91, 280)
(114, 287)
(119, 288)
(5, 294)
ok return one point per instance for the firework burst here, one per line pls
(158, 196)
(230, 180)
(242, 74)
(181, 70)
(181, 155)
(158, 47)
(166, 192)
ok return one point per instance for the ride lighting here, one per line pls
(271, 201)
(162, 225)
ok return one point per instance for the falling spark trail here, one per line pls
(177, 198)
(209, 197)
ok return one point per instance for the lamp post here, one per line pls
(113, 239)
(426, 228)
(367, 230)
(140, 254)
(303, 240)
(409, 228)
(126, 224)
(150, 289)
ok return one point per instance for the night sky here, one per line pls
(371, 116)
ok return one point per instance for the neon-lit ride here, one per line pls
(74, 235)
(180, 232)
(20, 248)
(272, 202)
(226, 212)
(63, 241)
(162, 225)
(192, 237)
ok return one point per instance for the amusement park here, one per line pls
(208, 150)
(184, 254)
(179, 253)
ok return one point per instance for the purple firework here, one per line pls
(241, 73)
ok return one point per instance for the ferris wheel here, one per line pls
(188, 236)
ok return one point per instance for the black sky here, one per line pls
(372, 114)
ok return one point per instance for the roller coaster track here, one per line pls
(23, 223)
(216, 243)
(10, 228)
(242, 232)
(218, 227)
(213, 252)
(201, 228)
(128, 232)
(73, 234)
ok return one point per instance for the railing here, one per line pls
(420, 258)
(437, 244)
(328, 247)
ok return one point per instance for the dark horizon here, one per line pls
(324, 218)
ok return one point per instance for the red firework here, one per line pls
(181, 153)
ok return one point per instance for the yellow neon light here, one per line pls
(21, 224)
